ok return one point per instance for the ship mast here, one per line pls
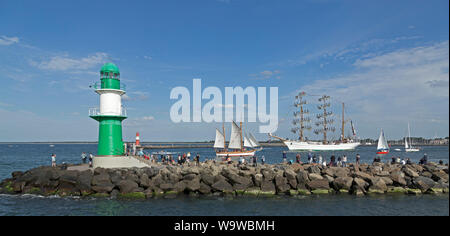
(343, 124)
(242, 142)
(323, 118)
(302, 120)
(224, 138)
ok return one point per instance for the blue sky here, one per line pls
(387, 60)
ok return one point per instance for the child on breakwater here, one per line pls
(90, 159)
(53, 160)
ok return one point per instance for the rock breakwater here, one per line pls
(220, 179)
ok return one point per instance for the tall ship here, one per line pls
(324, 123)
(383, 146)
(240, 145)
(408, 143)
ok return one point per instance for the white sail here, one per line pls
(235, 137)
(382, 143)
(406, 143)
(247, 142)
(253, 140)
(220, 139)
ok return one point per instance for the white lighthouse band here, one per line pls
(111, 101)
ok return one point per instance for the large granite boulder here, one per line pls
(398, 178)
(318, 184)
(342, 183)
(222, 186)
(128, 186)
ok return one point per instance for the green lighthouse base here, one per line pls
(110, 141)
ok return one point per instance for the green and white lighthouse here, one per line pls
(111, 151)
(111, 112)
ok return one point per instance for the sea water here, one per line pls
(22, 157)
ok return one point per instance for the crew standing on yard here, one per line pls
(83, 157)
(53, 160)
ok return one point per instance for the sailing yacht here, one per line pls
(408, 145)
(383, 147)
(325, 122)
(241, 144)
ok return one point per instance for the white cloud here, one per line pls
(393, 88)
(135, 95)
(64, 63)
(6, 41)
(267, 74)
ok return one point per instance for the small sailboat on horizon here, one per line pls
(408, 145)
(242, 144)
(383, 146)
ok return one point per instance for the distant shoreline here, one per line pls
(188, 143)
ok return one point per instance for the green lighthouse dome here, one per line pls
(109, 69)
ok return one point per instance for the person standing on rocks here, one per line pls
(90, 159)
(332, 160)
(263, 159)
(344, 161)
(197, 160)
(53, 160)
(297, 158)
(309, 158)
(320, 159)
(254, 161)
(284, 157)
(83, 157)
(358, 158)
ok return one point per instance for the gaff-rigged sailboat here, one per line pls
(241, 145)
(383, 147)
(408, 145)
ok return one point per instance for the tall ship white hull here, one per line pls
(316, 146)
(324, 122)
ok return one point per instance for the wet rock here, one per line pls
(409, 172)
(423, 183)
(222, 186)
(359, 185)
(318, 184)
(281, 184)
(313, 177)
(398, 178)
(268, 186)
(84, 180)
(377, 186)
(127, 186)
(257, 179)
(313, 169)
(204, 189)
(342, 183)
(268, 174)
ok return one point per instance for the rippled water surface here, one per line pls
(25, 156)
